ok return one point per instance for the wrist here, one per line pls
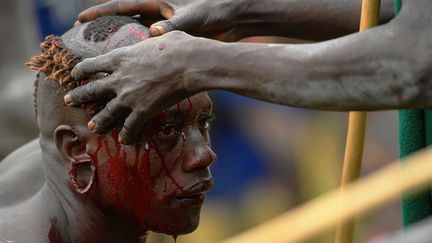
(203, 61)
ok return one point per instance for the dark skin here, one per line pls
(73, 185)
(232, 20)
(54, 208)
(372, 70)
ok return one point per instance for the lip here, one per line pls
(195, 193)
(195, 200)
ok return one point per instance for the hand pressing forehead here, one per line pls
(60, 54)
(158, 183)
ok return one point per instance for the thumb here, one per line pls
(177, 22)
(161, 27)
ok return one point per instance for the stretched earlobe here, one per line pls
(71, 144)
(82, 176)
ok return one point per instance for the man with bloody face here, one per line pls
(92, 188)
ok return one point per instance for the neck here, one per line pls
(75, 218)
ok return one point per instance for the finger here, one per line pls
(162, 27)
(131, 128)
(107, 116)
(89, 92)
(130, 7)
(149, 21)
(89, 66)
(181, 22)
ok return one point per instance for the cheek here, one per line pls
(136, 181)
(123, 173)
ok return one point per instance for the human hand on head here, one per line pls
(145, 79)
(206, 18)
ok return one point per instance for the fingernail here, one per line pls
(67, 99)
(72, 73)
(157, 30)
(91, 125)
(153, 31)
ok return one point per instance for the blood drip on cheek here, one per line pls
(133, 187)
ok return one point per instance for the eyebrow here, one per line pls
(173, 113)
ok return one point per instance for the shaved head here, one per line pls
(60, 54)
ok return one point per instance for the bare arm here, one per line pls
(383, 68)
(231, 20)
(308, 20)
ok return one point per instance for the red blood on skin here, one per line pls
(138, 177)
(119, 171)
(138, 180)
(138, 33)
(167, 172)
(105, 48)
(53, 233)
(134, 32)
(123, 40)
(112, 29)
(73, 171)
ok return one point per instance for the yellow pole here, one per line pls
(370, 192)
(356, 132)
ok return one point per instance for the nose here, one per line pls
(198, 154)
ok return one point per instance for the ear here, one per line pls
(72, 148)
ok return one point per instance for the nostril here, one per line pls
(212, 157)
(203, 160)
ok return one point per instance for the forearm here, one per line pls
(364, 71)
(304, 19)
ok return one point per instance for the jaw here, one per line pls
(183, 221)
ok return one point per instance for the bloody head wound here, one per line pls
(157, 183)
(56, 60)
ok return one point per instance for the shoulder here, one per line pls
(21, 180)
(21, 169)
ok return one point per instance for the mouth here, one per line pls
(194, 200)
(194, 195)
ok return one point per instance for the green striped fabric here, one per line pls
(415, 133)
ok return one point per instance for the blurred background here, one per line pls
(271, 158)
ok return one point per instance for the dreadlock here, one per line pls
(57, 62)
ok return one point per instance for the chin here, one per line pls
(180, 225)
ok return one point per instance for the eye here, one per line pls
(168, 130)
(204, 121)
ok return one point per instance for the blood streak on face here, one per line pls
(159, 182)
